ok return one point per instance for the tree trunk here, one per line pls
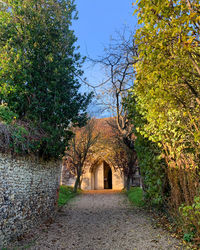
(77, 182)
(128, 183)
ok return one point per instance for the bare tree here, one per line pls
(123, 156)
(117, 61)
(79, 149)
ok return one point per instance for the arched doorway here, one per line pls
(107, 176)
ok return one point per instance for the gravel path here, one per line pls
(103, 221)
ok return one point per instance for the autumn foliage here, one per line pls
(164, 105)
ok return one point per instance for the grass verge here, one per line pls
(65, 194)
(135, 195)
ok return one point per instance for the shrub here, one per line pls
(6, 115)
(135, 195)
(65, 194)
(188, 236)
(152, 169)
(20, 138)
(190, 216)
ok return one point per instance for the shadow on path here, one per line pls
(103, 221)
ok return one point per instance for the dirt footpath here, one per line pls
(103, 221)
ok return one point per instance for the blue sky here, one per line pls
(98, 21)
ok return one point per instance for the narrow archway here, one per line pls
(107, 176)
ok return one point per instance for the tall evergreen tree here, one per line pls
(40, 65)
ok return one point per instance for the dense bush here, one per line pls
(19, 138)
(152, 169)
(150, 159)
(16, 136)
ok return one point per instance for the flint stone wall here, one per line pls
(28, 195)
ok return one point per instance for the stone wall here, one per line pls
(28, 195)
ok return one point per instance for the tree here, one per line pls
(117, 61)
(166, 91)
(121, 155)
(39, 68)
(80, 149)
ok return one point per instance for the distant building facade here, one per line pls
(100, 172)
(97, 176)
